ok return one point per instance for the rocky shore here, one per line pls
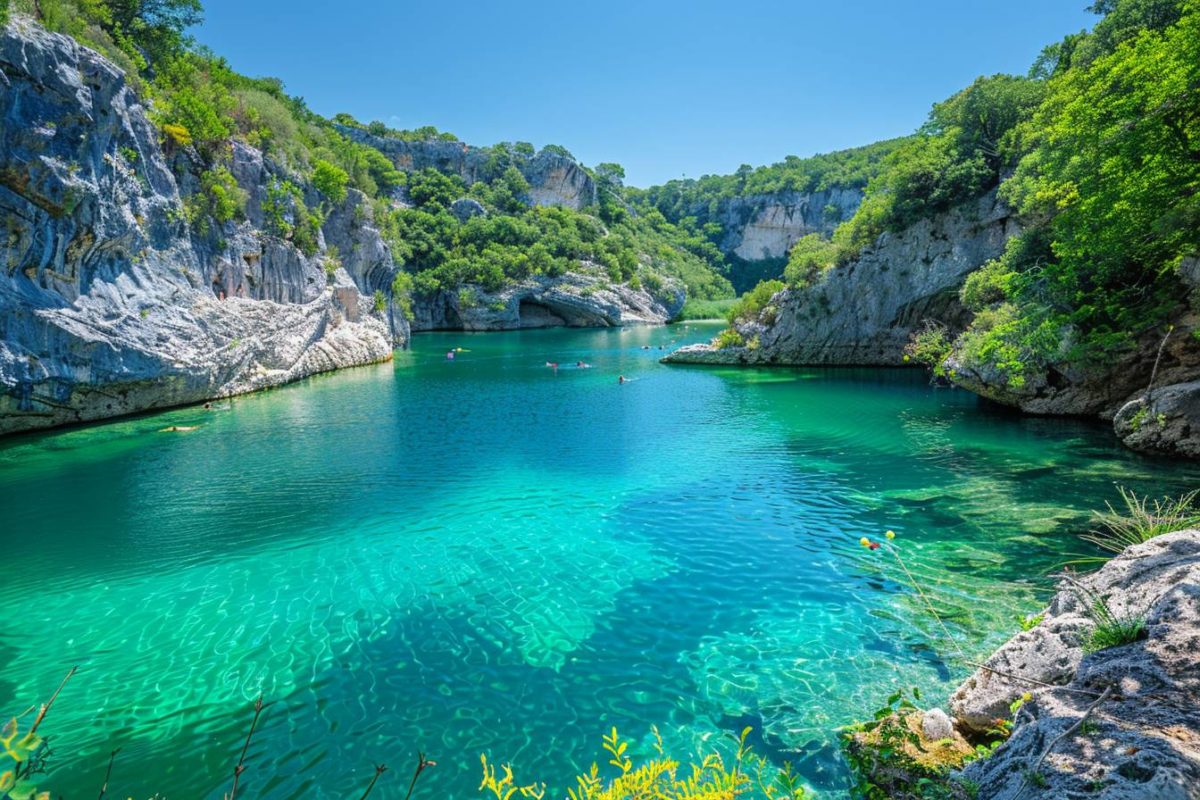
(110, 303)
(574, 300)
(113, 300)
(1119, 723)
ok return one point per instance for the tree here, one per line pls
(330, 180)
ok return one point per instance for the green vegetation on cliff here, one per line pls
(201, 105)
(700, 198)
(704, 208)
(513, 240)
(1097, 151)
(1109, 188)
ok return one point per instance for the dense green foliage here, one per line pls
(697, 207)
(960, 153)
(1109, 182)
(756, 305)
(514, 241)
(699, 199)
(706, 309)
(1106, 183)
(1098, 151)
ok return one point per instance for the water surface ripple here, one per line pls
(488, 555)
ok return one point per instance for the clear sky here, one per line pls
(665, 87)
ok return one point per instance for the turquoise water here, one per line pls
(487, 555)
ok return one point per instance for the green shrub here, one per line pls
(714, 776)
(705, 309)
(930, 345)
(809, 257)
(219, 199)
(402, 291)
(1111, 630)
(988, 285)
(756, 304)
(728, 338)
(331, 264)
(892, 760)
(330, 180)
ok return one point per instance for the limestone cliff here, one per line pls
(576, 300)
(110, 301)
(760, 227)
(863, 312)
(554, 179)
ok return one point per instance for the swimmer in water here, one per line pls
(552, 364)
(583, 365)
(620, 379)
(179, 428)
(449, 355)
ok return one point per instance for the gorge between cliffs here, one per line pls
(335, 455)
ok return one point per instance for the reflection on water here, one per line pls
(491, 555)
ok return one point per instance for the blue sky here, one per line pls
(665, 88)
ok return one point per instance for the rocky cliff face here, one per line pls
(110, 303)
(864, 312)
(554, 179)
(1143, 738)
(760, 227)
(574, 300)
(1163, 418)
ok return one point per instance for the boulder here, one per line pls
(1143, 740)
(466, 207)
(1167, 423)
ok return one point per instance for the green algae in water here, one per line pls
(489, 555)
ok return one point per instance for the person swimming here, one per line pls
(583, 365)
(620, 379)
(552, 364)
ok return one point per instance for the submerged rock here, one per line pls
(1143, 741)
(110, 302)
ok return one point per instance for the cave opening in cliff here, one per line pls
(537, 315)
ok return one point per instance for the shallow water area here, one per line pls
(491, 555)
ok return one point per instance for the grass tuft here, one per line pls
(1142, 519)
(1111, 630)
